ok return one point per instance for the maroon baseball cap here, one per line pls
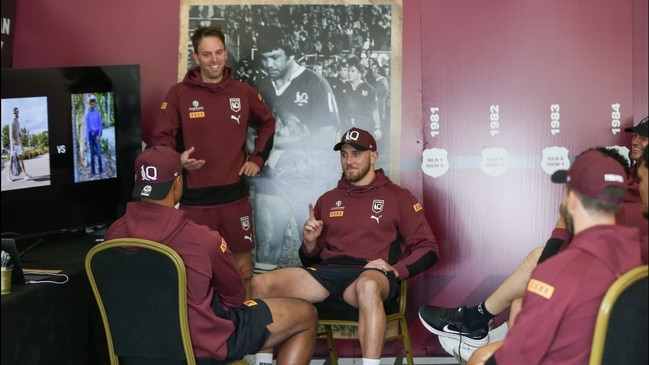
(641, 129)
(156, 168)
(591, 173)
(361, 139)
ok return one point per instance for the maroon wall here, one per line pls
(81, 33)
(520, 64)
(457, 56)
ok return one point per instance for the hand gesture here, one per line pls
(190, 163)
(312, 229)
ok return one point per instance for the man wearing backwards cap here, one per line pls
(560, 304)
(361, 240)
(222, 326)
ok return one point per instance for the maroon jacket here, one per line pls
(560, 305)
(377, 221)
(211, 270)
(214, 118)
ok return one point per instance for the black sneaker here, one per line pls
(448, 322)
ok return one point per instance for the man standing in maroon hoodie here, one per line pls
(206, 117)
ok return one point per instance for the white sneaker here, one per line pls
(498, 333)
(27, 177)
(9, 177)
(462, 351)
(250, 359)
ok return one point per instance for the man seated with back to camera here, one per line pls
(361, 241)
(562, 298)
(470, 325)
(221, 324)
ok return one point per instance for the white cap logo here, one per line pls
(148, 173)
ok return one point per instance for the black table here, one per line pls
(54, 323)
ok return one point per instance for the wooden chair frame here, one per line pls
(181, 283)
(399, 317)
(606, 308)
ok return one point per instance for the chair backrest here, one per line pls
(141, 289)
(621, 328)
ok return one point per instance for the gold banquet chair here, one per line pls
(335, 313)
(141, 292)
(621, 328)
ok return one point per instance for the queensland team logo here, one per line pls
(377, 205)
(235, 104)
(245, 222)
(435, 162)
(555, 158)
(301, 98)
(494, 161)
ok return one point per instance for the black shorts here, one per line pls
(337, 278)
(250, 332)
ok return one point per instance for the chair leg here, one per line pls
(407, 347)
(332, 348)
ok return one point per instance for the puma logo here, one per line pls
(249, 238)
(376, 218)
(235, 117)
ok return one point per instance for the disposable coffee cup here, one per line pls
(6, 280)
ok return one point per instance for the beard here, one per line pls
(567, 218)
(356, 175)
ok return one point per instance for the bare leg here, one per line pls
(514, 285)
(513, 312)
(367, 293)
(289, 282)
(244, 263)
(21, 159)
(293, 330)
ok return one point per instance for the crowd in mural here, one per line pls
(328, 36)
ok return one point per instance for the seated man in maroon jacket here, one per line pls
(562, 298)
(223, 325)
(462, 329)
(361, 239)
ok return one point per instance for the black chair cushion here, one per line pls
(132, 282)
(626, 343)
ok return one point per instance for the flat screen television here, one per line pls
(62, 120)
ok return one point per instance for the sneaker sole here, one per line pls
(456, 335)
(460, 351)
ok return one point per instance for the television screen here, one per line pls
(70, 136)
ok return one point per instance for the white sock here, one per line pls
(367, 361)
(261, 267)
(264, 358)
